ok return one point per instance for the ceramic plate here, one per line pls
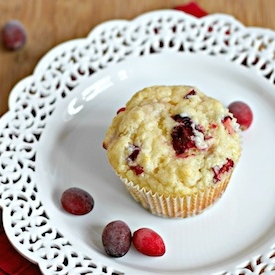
(51, 139)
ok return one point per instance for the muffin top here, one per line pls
(173, 140)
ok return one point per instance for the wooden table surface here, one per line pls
(50, 22)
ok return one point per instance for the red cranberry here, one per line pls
(243, 113)
(134, 154)
(77, 201)
(137, 169)
(227, 122)
(182, 135)
(218, 171)
(116, 238)
(120, 110)
(14, 35)
(200, 128)
(193, 92)
(149, 242)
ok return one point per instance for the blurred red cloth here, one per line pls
(192, 8)
(11, 262)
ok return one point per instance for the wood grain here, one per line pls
(50, 22)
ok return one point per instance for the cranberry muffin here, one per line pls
(174, 148)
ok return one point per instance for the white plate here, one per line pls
(51, 139)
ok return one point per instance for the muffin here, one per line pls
(174, 148)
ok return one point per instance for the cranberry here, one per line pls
(122, 109)
(134, 154)
(77, 201)
(14, 35)
(200, 128)
(132, 157)
(182, 135)
(148, 242)
(181, 119)
(243, 113)
(218, 171)
(137, 169)
(227, 122)
(116, 238)
(193, 92)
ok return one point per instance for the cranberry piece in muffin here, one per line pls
(135, 151)
(227, 122)
(219, 171)
(122, 109)
(182, 135)
(193, 92)
(132, 158)
(137, 169)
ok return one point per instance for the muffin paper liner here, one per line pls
(179, 206)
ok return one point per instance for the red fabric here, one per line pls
(192, 8)
(11, 262)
